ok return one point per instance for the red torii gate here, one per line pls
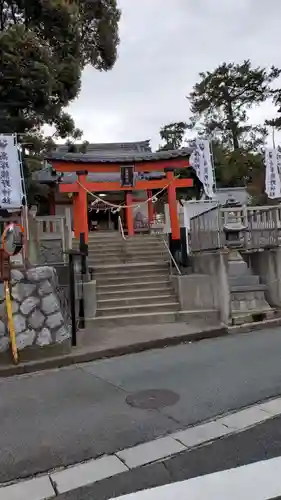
(166, 161)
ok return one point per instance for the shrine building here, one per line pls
(108, 176)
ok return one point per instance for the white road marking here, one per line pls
(259, 481)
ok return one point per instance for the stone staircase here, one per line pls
(132, 278)
(108, 248)
(134, 293)
(133, 282)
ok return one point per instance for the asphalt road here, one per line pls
(66, 416)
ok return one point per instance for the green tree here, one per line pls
(240, 168)
(34, 147)
(172, 135)
(44, 46)
(220, 102)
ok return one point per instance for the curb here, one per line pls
(85, 357)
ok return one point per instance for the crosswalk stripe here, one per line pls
(257, 481)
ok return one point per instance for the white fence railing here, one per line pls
(50, 226)
(262, 223)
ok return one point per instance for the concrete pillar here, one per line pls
(223, 288)
(90, 299)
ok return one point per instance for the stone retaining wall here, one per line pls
(38, 317)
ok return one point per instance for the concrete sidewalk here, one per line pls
(109, 342)
(102, 343)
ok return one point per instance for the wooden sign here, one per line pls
(127, 173)
(5, 267)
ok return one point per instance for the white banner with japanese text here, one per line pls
(272, 173)
(201, 161)
(10, 173)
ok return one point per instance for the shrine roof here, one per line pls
(139, 146)
(118, 156)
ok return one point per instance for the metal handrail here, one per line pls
(171, 257)
(121, 228)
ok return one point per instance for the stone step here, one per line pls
(94, 262)
(238, 268)
(133, 239)
(104, 242)
(136, 292)
(132, 266)
(141, 236)
(104, 234)
(244, 280)
(110, 249)
(145, 284)
(144, 248)
(128, 250)
(144, 242)
(102, 247)
(203, 317)
(119, 279)
(141, 308)
(135, 300)
(120, 251)
(129, 241)
(248, 288)
(130, 271)
(125, 258)
(132, 319)
(93, 236)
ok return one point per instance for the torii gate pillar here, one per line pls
(80, 208)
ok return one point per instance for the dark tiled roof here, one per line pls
(118, 156)
(140, 146)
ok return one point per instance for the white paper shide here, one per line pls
(201, 161)
(10, 173)
(272, 173)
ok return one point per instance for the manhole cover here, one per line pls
(152, 399)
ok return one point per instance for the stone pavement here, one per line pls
(83, 474)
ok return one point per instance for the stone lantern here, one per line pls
(234, 231)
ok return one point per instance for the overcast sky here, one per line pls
(164, 45)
